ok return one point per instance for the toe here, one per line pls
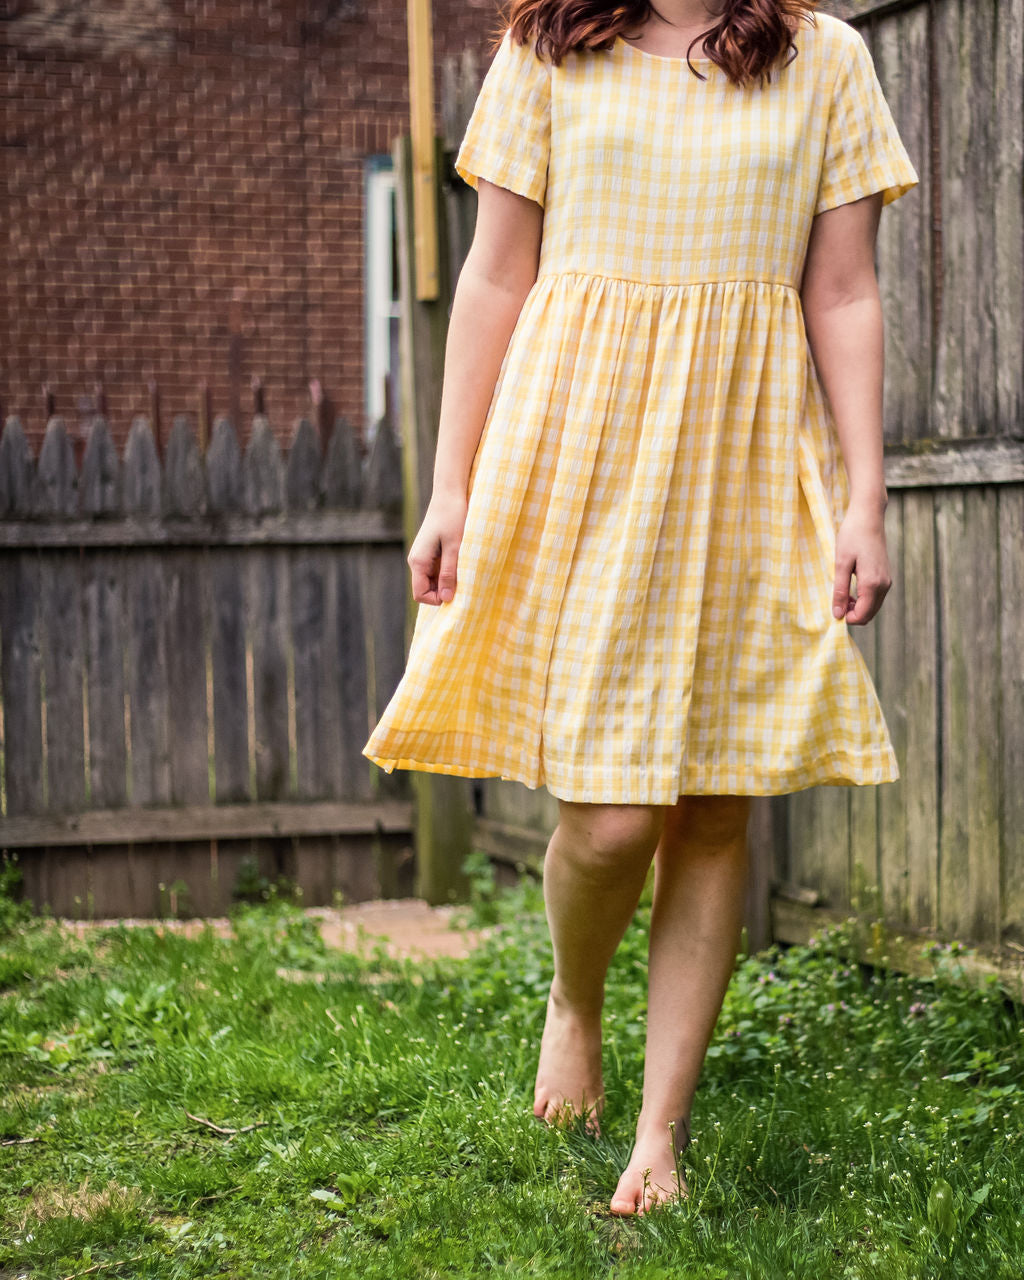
(622, 1205)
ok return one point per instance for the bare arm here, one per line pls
(498, 272)
(843, 318)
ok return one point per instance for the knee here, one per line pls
(609, 837)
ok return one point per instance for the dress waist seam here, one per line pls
(670, 284)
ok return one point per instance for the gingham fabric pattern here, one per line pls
(643, 606)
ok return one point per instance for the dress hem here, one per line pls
(831, 771)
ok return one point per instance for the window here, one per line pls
(381, 286)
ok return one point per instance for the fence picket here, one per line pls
(184, 479)
(342, 483)
(313, 622)
(141, 475)
(100, 483)
(16, 472)
(21, 674)
(60, 597)
(56, 477)
(227, 624)
(302, 480)
(106, 644)
(261, 468)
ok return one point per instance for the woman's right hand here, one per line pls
(434, 553)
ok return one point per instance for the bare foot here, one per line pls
(569, 1080)
(650, 1177)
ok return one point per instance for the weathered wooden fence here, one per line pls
(942, 850)
(191, 656)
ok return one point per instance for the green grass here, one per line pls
(849, 1123)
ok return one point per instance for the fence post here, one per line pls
(443, 816)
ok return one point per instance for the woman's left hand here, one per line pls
(860, 550)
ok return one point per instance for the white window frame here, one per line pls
(380, 298)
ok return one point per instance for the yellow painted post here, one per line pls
(424, 173)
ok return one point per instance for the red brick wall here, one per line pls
(183, 196)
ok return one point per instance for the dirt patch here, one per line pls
(78, 1202)
(409, 928)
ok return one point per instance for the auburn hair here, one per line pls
(747, 40)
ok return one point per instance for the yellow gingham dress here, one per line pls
(643, 606)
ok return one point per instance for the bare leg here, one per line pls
(700, 874)
(594, 872)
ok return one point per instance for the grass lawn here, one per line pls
(258, 1106)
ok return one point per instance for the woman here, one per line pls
(659, 464)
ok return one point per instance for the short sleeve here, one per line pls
(507, 140)
(863, 150)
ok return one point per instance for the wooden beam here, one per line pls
(520, 847)
(424, 169)
(901, 949)
(292, 529)
(206, 822)
(955, 462)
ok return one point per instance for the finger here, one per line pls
(446, 577)
(868, 602)
(841, 588)
(424, 580)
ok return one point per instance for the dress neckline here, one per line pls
(659, 57)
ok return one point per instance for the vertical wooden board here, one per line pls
(385, 594)
(227, 859)
(99, 487)
(921, 761)
(148, 694)
(21, 681)
(342, 473)
(56, 477)
(186, 671)
(351, 674)
(268, 627)
(865, 870)
(63, 667)
(262, 472)
(835, 868)
(181, 879)
(965, 374)
(329, 747)
(230, 696)
(518, 805)
(900, 50)
(302, 474)
(1007, 242)
(969, 873)
(120, 882)
(802, 840)
(891, 676)
(17, 471)
(68, 883)
(306, 595)
(187, 723)
(184, 479)
(141, 478)
(105, 657)
(395, 859)
(1011, 569)
(761, 861)
(34, 887)
(323, 866)
(819, 834)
